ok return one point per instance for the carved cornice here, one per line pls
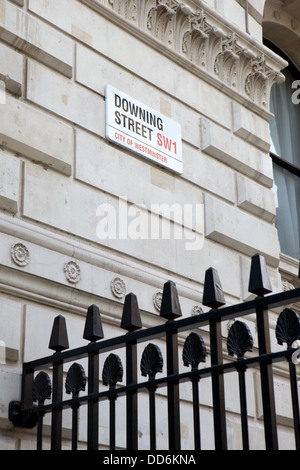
(216, 50)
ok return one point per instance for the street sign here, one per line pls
(139, 128)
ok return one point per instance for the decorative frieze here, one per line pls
(213, 48)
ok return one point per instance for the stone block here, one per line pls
(39, 323)
(75, 19)
(94, 71)
(255, 198)
(11, 383)
(51, 143)
(240, 231)
(231, 150)
(11, 317)
(105, 167)
(65, 98)
(117, 45)
(9, 182)
(73, 208)
(11, 69)
(250, 127)
(209, 173)
(18, 2)
(35, 38)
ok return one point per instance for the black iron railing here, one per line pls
(40, 396)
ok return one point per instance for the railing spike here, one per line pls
(131, 318)
(259, 282)
(59, 336)
(170, 306)
(213, 295)
(93, 326)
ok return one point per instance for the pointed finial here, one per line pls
(93, 326)
(131, 318)
(213, 295)
(259, 282)
(59, 336)
(170, 306)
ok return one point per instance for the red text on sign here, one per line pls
(166, 143)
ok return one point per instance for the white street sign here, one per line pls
(135, 126)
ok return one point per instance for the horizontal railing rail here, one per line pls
(38, 388)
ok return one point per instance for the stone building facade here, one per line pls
(202, 64)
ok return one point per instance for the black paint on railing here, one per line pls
(37, 386)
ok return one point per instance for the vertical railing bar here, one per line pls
(75, 409)
(218, 386)
(152, 417)
(295, 402)
(39, 441)
(243, 403)
(112, 421)
(56, 425)
(27, 384)
(267, 385)
(93, 405)
(173, 391)
(196, 414)
(131, 398)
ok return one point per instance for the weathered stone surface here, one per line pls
(65, 98)
(233, 151)
(10, 173)
(35, 38)
(11, 69)
(36, 135)
(255, 198)
(240, 231)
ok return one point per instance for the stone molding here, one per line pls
(203, 40)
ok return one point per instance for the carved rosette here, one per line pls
(196, 310)
(72, 272)
(20, 254)
(287, 286)
(157, 298)
(118, 287)
(217, 50)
